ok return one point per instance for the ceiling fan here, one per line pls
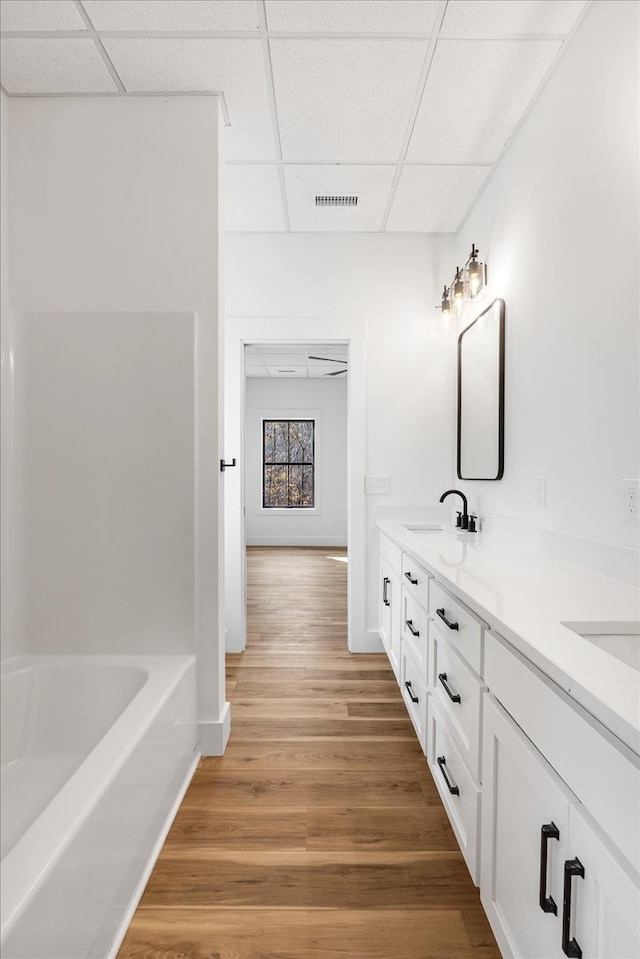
(328, 359)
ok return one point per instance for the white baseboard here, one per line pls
(213, 736)
(324, 541)
(369, 643)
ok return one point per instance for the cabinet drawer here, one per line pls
(416, 580)
(459, 626)
(459, 794)
(459, 695)
(415, 632)
(605, 778)
(414, 693)
(391, 553)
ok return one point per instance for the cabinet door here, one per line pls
(390, 613)
(525, 814)
(601, 915)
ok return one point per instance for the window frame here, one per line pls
(292, 418)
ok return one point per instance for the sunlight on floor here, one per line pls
(338, 559)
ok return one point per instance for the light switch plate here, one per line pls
(377, 485)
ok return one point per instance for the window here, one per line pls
(288, 450)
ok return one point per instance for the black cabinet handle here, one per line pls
(444, 619)
(453, 789)
(414, 699)
(224, 466)
(385, 591)
(572, 867)
(548, 831)
(454, 697)
(414, 582)
(411, 627)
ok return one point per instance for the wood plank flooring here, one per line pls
(319, 833)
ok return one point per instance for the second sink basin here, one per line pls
(621, 640)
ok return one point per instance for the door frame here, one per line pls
(239, 331)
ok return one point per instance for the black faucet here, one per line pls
(464, 521)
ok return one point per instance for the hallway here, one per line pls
(320, 833)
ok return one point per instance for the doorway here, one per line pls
(293, 332)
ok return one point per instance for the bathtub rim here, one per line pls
(28, 861)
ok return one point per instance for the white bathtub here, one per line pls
(96, 755)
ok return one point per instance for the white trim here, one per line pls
(327, 542)
(213, 735)
(289, 413)
(295, 329)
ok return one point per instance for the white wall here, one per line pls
(10, 632)
(326, 402)
(390, 284)
(558, 224)
(114, 207)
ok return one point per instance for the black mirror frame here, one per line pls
(500, 472)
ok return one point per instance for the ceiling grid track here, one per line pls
(428, 60)
(266, 50)
(106, 59)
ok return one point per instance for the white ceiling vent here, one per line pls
(325, 200)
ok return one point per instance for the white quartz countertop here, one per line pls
(525, 597)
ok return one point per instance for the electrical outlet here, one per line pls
(377, 485)
(631, 499)
(541, 490)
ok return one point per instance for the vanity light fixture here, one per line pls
(466, 284)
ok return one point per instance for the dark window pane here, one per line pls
(275, 486)
(269, 442)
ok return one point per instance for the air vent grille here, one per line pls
(336, 200)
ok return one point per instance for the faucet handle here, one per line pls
(472, 524)
(458, 519)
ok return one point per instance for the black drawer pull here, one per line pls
(442, 762)
(414, 582)
(385, 591)
(454, 697)
(411, 627)
(444, 619)
(548, 831)
(572, 867)
(414, 699)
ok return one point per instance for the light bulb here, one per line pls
(458, 286)
(446, 303)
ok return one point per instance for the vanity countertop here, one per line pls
(525, 597)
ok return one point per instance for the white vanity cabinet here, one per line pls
(543, 798)
(390, 601)
(553, 883)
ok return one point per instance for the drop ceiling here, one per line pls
(297, 360)
(406, 104)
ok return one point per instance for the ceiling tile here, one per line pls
(476, 93)
(334, 97)
(235, 67)
(174, 15)
(253, 198)
(434, 199)
(255, 371)
(53, 66)
(358, 16)
(36, 15)
(371, 184)
(286, 360)
(495, 18)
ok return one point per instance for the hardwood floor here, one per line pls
(319, 833)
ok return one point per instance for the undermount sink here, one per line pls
(424, 528)
(621, 640)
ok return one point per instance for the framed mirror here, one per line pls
(481, 396)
